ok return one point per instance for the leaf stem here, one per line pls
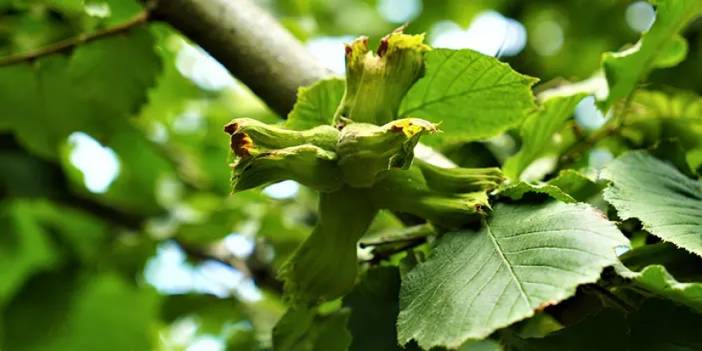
(608, 296)
(407, 238)
(413, 233)
(576, 150)
(381, 253)
(70, 43)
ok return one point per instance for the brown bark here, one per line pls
(249, 42)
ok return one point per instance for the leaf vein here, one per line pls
(508, 263)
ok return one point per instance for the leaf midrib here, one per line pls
(506, 261)
(459, 94)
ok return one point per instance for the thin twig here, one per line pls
(417, 232)
(573, 152)
(381, 253)
(205, 255)
(261, 274)
(607, 295)
(397, 241)
(70, 43)
(394, 240)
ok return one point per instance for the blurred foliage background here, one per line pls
(117, 228)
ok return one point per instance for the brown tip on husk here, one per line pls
(383, 47)
(241, 145)
(231, 128)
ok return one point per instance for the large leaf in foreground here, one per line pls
(668, 204)
(473, 96)
(523, 259)
(660, 47)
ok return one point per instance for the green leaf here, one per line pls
(668, 204)
(523, 259)
(657, 115)
(213, 316)
(316, 104)
(661, 325)
(83, 233)
(104, 313)
(306, 330)
(38, 118)
(516, 191)
(24, 175)
(537, 131)
(120, 10)
(100, 321)
(660, 47)
(653, 104)
(67, 5)
(657, 280)
(577, 185)
(678, 262)
(99, 85)
(114, 74)
(473, 96)
(605, 331)
(216, 311)
(481, 345)
(34, 232)
(657, 325)
(36, 315)
(568, 186)
(374, 306)
(541, 324)
(221, 215)
(17, 96)
(24, 247)
(694, 159)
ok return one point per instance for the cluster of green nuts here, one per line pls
(361, 163)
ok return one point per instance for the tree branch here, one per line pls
(249, 42)
(261, 274)
(70, 43)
